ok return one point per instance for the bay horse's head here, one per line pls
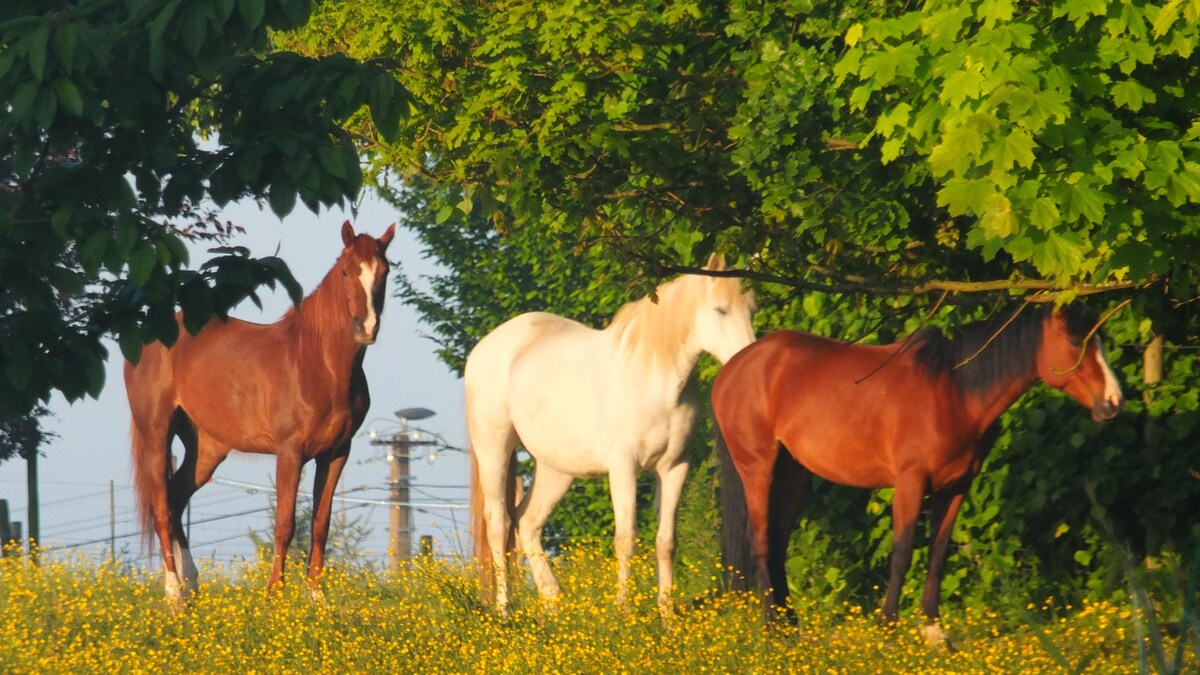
(364, 271)
(722, 325)
(1071, 358)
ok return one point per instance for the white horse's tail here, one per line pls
(483, 550)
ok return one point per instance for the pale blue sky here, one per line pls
(92, 447)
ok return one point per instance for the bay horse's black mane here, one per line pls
(1012, 351)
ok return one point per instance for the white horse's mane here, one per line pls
(654, 332)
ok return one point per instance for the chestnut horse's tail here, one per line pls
(483, 550)
(150, 403)
(736, 558)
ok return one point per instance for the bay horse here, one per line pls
(294, 388)
(919, 417)
(585, 403)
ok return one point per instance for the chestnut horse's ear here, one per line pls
(716, 262)
(347, 233)
(386, 238)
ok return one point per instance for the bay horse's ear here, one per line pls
(347, 233)
(716, 262)
(386, 238)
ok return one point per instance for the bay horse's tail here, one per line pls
(483, 550)
(736, 558)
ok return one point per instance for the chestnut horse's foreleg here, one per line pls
(906, 509)
(329, 470)
(943, 509)
(287, 482)
(548, 488)
(789, 487)
(670, 487)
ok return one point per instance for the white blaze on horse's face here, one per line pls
(1113, 398)
(366, 276)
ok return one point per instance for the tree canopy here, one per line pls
(125, 121)
(1044, 149)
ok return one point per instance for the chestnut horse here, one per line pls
(294, 388)
(586, 402)
(919, 417)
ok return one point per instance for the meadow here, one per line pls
(82, 616)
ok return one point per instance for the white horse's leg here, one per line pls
(548, 488)
(670, 487)
(493, 473)
(623, 484)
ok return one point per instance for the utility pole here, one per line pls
(112, 521)
(400, 519)
(400, 530)
(31, 479)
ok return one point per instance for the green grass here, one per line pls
(78, 616)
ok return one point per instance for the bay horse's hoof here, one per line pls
(936, 637)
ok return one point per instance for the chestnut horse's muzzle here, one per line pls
(1104, 409)
(361, 336)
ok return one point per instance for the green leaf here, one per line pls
(252, 12)
(36, 50)
(142, 263)
(961, 196)
(282, 198)
(68, 96)
(1015, 148)
(130, 340)
(1132, 95)
(1044, 213)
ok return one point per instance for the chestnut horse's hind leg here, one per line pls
(287, 483)
(201, 457)
(789, 487)
(329, 470)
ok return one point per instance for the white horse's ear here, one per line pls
(716, 262)
(347, 233)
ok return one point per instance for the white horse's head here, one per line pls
(723, 312)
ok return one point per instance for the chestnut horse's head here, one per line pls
(364, 271)
(1073, 360)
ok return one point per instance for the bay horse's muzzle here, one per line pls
(1104, 409)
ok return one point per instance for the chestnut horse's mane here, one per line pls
(991, 351)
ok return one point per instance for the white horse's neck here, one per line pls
(656, 340)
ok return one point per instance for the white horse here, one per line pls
(586, 402)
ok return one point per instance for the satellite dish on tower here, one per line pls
(414, 413)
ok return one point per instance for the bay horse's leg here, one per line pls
(789, 487)
(547, 489)
(943, 510)
(906, 509)
(287, 482)
(670, 487)
(329, 470)
(201, 457)
(622, 484)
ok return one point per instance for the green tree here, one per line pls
(103, 169)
